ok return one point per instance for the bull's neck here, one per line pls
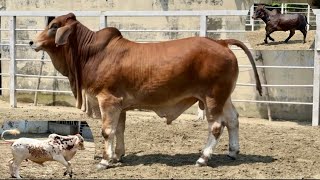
(80, 47)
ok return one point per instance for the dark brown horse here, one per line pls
(281, 22)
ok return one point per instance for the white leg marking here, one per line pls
(201, 114)
(233, 128)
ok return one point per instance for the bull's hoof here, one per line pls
(266, 42)
(65, 173)
(201, 162)
(286, 41)
(232, 157)
(233, 154)
(117, 159)
(101, 167)
(17, 177)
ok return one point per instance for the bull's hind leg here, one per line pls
(110, 108)
(292, 31)
(120, 148)
(216, 123)
(232, 124)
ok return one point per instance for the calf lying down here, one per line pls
(55, 148)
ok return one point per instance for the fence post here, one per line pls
(203, 26)
(308, 17)
(251, 19)
(316, 76)
(103, 22)
(12, 70)
(281, 8)
(0, 60)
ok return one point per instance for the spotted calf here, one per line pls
(55, 148)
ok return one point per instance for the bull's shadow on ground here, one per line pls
(190, 159)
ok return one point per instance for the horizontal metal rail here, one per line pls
(44, 90)
(4, 74)
(277, 85)
(37, 76)
(158, 30)
(280, 67)
(274, 102)
(37, 60)
(127, 13)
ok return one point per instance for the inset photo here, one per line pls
(281, 26)
(45, 149)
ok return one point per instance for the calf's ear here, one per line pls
(62, 35)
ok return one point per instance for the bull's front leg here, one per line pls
(120, 148)
(110, 108)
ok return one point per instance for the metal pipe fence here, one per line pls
(103, 19)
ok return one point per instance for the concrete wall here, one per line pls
(275, 77)
(26, 126)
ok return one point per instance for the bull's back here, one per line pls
(165, 71)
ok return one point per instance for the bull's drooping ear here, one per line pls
(71, 16)
(62, 35)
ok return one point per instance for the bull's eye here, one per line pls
(54, 26)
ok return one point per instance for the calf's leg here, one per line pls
(292, 31)
(67, 164)
(10, 163)
(16, 162)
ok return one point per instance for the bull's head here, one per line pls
(259, 12)
(56, 39)
(53, 37)
(55, 34)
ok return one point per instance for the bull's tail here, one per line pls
(10, 131)
(247, 51)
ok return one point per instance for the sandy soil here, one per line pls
(256, 40)
(279, 149)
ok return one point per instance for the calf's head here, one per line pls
(79, 142)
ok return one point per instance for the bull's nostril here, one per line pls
(30, 43)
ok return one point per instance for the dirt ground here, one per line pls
(256, 40)
(278, 149)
